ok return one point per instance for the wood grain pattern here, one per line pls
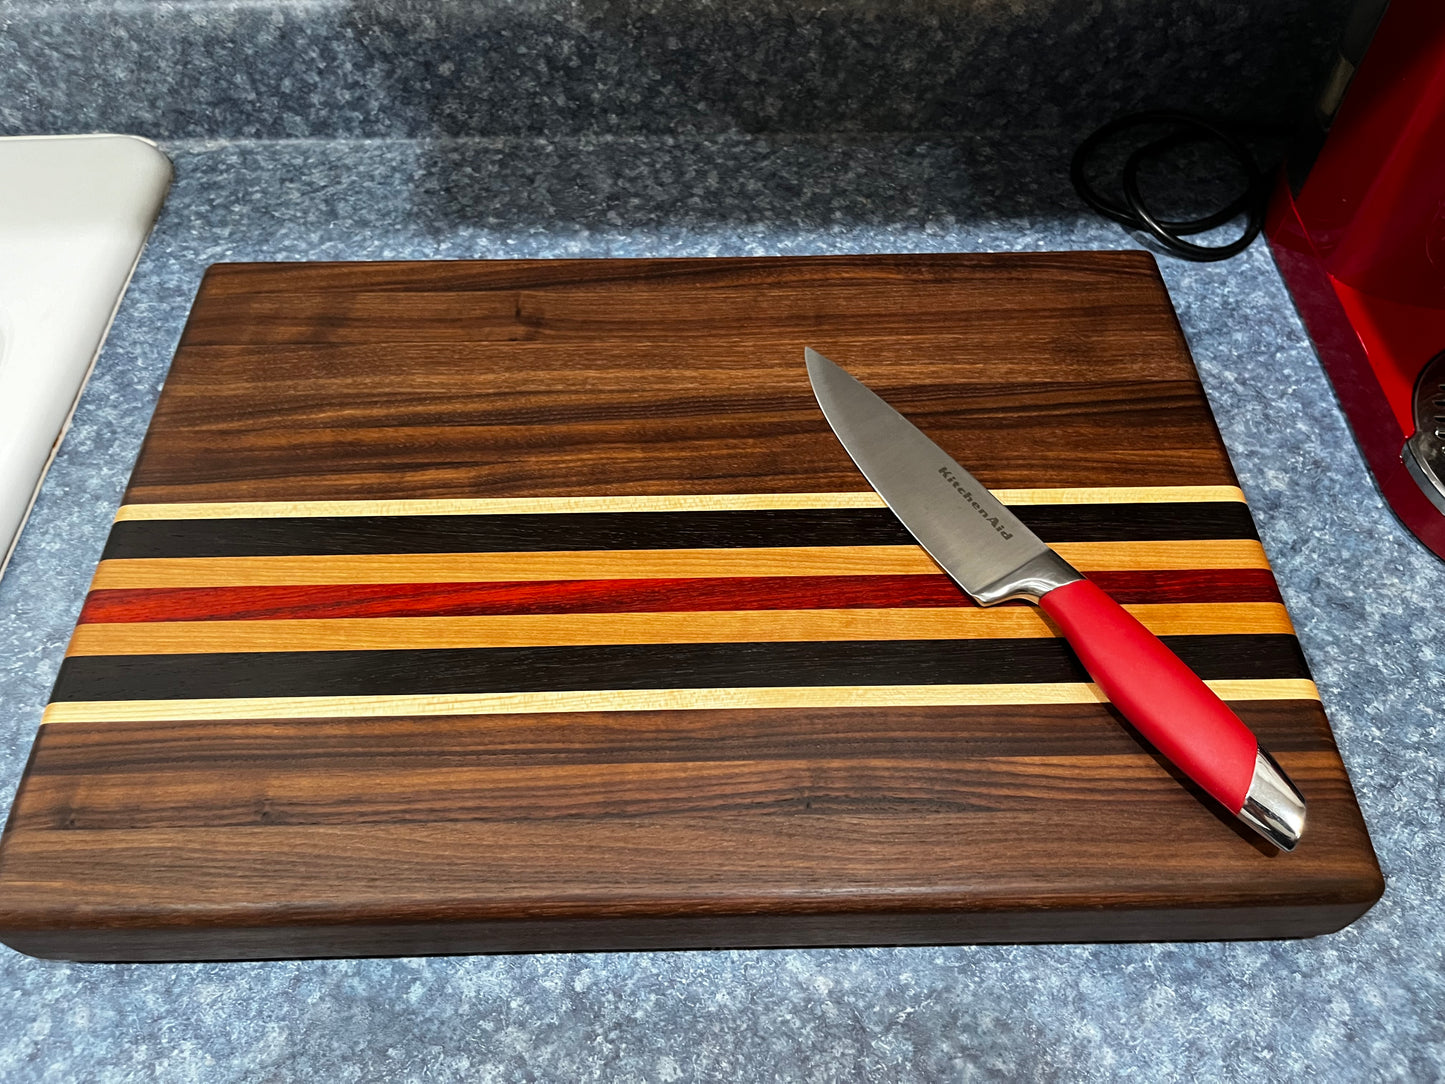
(499, 606)
(272, 411)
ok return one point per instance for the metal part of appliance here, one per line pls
(1357, 228)
(1424, 452)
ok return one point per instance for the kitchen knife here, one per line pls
(988, 551)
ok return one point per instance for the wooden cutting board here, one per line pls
(494, 606)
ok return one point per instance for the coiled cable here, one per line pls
(1179, 129)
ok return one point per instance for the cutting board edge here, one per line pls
(175, 945)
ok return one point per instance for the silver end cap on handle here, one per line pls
(1273, 807)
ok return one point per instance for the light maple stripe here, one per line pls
(850, 696)
(728, 626)
(634, 564)
(687, 502)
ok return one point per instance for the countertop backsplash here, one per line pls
(283, 69)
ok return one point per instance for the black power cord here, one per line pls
(1178, 129)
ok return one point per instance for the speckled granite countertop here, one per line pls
(1362, 1004)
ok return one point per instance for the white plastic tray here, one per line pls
(75, 212)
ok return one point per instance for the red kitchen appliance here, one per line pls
(1357, 227)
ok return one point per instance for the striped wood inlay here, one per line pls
(1148, 587)
(163, 562)
(709, 529)
(635, 564)
(686, 502)
(863, 696)
(523, 630)
(707, 664)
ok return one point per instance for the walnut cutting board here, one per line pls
(495, 606)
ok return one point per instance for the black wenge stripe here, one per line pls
(647, 666)
(643, 530)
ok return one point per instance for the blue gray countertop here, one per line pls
(1362, 1004)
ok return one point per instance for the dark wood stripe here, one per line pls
(313, 745)
(1002, 280)
(587, 313)
(643, 530)
(628, 596)
(821, 784)
(729, 665)
(602, 765)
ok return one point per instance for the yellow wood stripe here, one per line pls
(732, 626)
(858, 696)
(634, 564)
(690, 502)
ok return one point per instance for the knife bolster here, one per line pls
(1031, 581)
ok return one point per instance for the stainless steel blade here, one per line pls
(973, 537)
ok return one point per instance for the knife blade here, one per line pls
(994, 557)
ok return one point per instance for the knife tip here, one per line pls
(818, 365)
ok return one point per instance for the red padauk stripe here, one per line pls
(628, 596)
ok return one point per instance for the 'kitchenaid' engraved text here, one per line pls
(992, 521)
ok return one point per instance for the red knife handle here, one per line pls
(1164, 700)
